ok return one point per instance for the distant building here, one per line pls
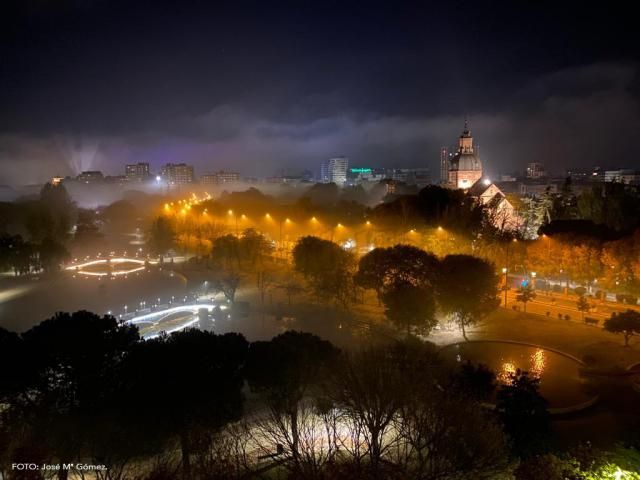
(288, 179)
(220, 177)
(177, 173)
(536, 170)
(626, 176)
(324, 172)
(502, 214)
(337, 170)
(411, 176)
(137, 172)
(444, 165)
(360, 175)
(465, 167)
(465, 172)
(586, 175)
(90, 176)
(531, 189)
(508, 178)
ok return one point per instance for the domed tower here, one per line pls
(465, 167)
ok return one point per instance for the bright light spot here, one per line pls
(349, 244)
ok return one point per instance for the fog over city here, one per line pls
(387, 100)
(311, 240)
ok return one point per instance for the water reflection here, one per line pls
(560, 380)
(536, 367)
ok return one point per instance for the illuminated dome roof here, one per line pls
(466, 161)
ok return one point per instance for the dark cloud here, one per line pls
(261, 86)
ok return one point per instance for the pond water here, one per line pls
(560, 380)
(36, 300)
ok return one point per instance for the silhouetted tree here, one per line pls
(184, 386)
(626, 323)
(478, 380)
(71, 360)
(52, 254)
(162, 236)
(408, 305)
(467, 288)
(327, 267)
(525, 294)
(523, 412)
(383, 268)
(284, 371)
(582, 304)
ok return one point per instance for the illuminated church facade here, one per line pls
(465, 173)
(465, 167)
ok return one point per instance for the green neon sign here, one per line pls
(361, 170)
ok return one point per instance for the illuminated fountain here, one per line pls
(110, 267)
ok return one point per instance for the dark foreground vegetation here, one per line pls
(195, 405)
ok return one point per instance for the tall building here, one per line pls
(465, 167)
(324, 172)
(626, 176)
(177, 173)
(536, 170)
(410, 176)
(90, 176)
(337, 170)
(444, 165)
(137, 172)
(220, 178)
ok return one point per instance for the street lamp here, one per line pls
(504, 272)
(230, 213)
(533, 279)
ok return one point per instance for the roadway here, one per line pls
(558, 303)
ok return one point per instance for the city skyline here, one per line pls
(267, 87)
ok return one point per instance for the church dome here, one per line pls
(466, 161)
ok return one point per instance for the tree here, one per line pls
(72, 360)
(526, 293)
(17, 254)
(226, 251)
(162, 236)
(475, 380)
(185, 386)
(408, 305)
(12, 366)
(404, 422)
(227, 282)
(284, 371)
(583, 305)
(467, 288)
(52, 254)
(254, 247)
(327, 267)
(523, 412)
(626, 323)
(383, 268)
(547, 466)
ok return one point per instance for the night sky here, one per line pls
(261, 86)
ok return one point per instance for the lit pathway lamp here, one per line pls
(505, 287)
(533, 280)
